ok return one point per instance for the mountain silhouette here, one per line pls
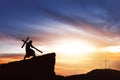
(38, 68)
(97, 74)
(42, 68)
(103, 74)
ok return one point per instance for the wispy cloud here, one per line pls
(5, 58)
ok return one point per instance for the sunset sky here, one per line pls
(82, 33)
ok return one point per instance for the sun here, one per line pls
(74, 47)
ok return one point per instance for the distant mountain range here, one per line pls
(97, 74)
(42, 68)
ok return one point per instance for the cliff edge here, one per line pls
(38, 68)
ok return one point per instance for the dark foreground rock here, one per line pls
(39, 68)
(42, 68)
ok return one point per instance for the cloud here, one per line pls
(10, 55)
(94, 20)
(5, 58)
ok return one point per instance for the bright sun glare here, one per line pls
(74, 47)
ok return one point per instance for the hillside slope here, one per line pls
(39, 68)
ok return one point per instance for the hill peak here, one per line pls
(103, 74)
(97, 74)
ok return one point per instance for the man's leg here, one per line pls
(24, 57)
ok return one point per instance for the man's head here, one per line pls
(30, 41)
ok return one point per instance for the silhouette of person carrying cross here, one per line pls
(29, 51)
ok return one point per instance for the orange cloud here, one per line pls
(5, 58)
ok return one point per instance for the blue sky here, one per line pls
(39, 19)
(18, 15)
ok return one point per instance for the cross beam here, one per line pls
(24, 42)
(33, 46)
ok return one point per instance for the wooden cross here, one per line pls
(24, 42)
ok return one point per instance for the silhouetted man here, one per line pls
(29, 51)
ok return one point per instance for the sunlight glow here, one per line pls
(74, 47)
(113, 49)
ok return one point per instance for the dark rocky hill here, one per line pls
(103, 74)
(97, 74)
(39, 68)
(42, 68)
